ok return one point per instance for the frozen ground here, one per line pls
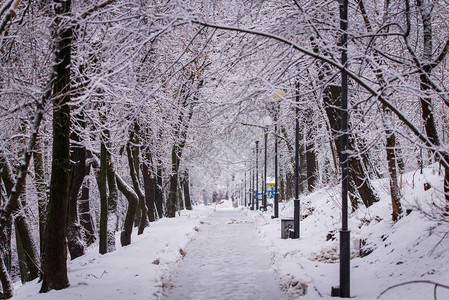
(141, 270)
(226, 261)
(412, 249)
(152, 267)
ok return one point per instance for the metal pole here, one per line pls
(257, 176)
(276, 194)
(252, 190)
(296, 213)
(343, 291)
(244, 190)
(264, 197)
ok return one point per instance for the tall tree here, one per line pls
(55, 256)
(76, 178)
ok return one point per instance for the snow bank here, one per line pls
(141, 270)
(414, 248)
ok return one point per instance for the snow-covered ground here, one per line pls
(414, 248)
(226, 261)
(142, 270)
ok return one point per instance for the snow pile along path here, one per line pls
(407, 254)
(141, 270)
(227, 260)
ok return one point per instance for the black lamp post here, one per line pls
(264, 187)
(250, 183)
(277, 97)
(244, 189)
(343, 291)
(296, 203)
(253, 189)
(257, 176)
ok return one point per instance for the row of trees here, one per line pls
(103, 112)
(105, 101)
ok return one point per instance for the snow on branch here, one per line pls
(443, 156)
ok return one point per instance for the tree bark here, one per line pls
(149, 183)
(27, 252)
(102, 187)
(5, 235)
(5, 279)
(77, 173)
(41, 188)
(132, 171)
(159, 196)
(112, 204)
(359, 181)
(85, 216)
(187, 201)
(55, 258)
(131, 196)
(302, 163)
(310, 151)
(180, 204)
(173, 189)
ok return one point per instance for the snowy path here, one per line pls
(226, 261)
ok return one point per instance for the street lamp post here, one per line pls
(257, 176)
(244, 188)
(277, 97)
(264, 188)
(266, 122)
(250, 183)
(253, 188)
(343, 291)
(296, 202)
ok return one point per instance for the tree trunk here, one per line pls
(289, 185)
(131, 196)
(27, 252)
(310, 151)
(311, 166)
(102, 187)
(5, 246)
(159, 195)
(188, 202)
(5, 235)
(85, 216)
(132, 170)
(173, 189)
(112, 204)
(5, 279)
(180, 203)
(149, 183)
(302, 164)
(281, 188)
(55, 257)
(77, 173)
(394, 187)
(41, 188)
(359, 181)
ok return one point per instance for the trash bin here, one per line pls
(286, 227)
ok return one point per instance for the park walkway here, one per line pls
(226, 261)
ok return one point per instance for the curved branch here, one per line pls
(411, 282)
(444, 157)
